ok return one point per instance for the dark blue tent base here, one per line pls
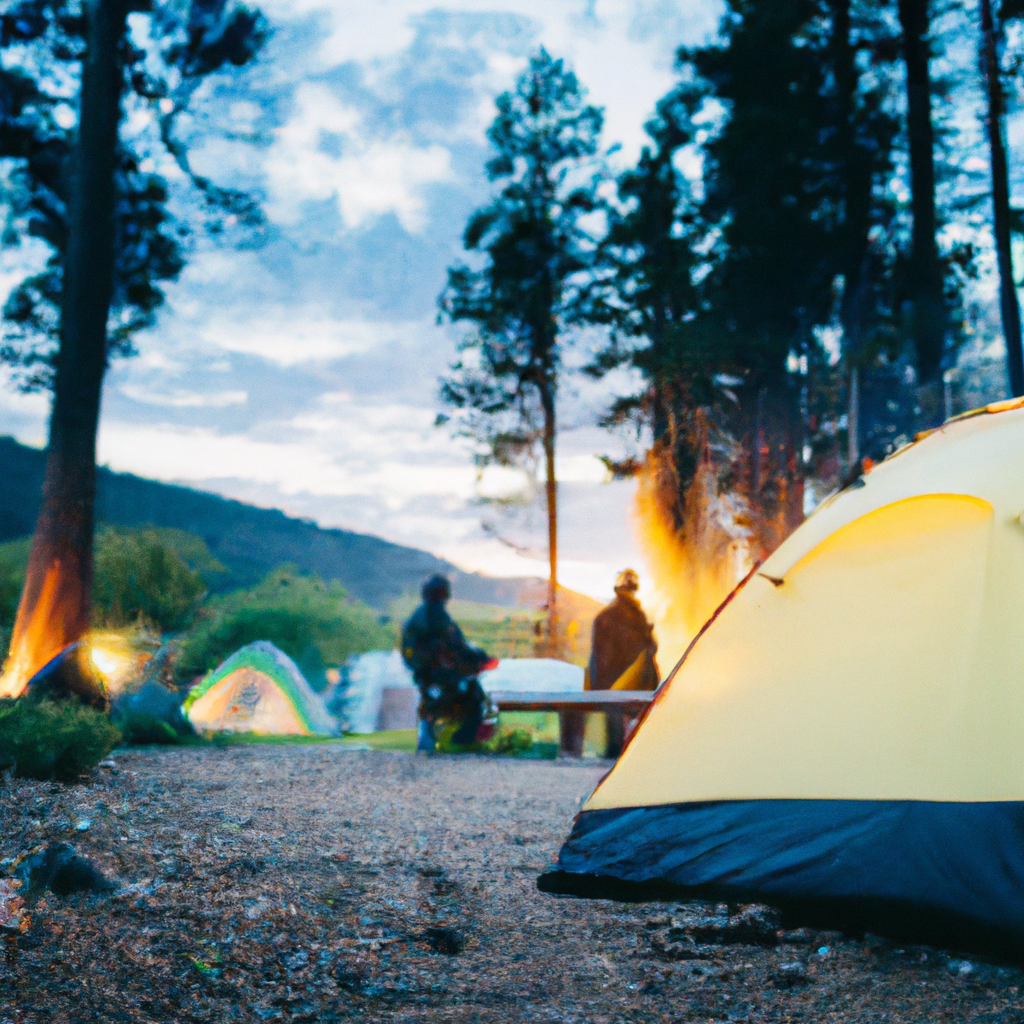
(945, 874)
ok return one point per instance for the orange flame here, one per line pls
(36, 640)
(693, 568)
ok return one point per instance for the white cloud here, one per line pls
(184, 399)
(287, 337)
(198, 454)
(368, 177)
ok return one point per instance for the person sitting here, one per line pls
(445, 668)
(623, 640)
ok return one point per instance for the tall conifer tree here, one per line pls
(108, 238)
(534, 280)
(928, 320)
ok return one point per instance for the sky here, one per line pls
(302, 373)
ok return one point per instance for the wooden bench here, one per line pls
(630, 703)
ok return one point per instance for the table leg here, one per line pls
(570, 733)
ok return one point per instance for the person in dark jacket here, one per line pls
(623, 639)
(444, 667)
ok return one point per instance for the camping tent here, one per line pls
(845, 739)
(541, 675)
(257, 689)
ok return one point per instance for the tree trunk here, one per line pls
(551, 493)
(55, 603)
(773, 483)
(1009, 306)
(853, 421)
(927, 307)
(858, 179)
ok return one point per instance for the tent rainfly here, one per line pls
(258, 689)
(845, 738)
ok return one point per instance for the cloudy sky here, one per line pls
(302, 373)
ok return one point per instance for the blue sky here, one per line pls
(302, 374)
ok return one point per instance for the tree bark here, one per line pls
(858, 182)
(551, 493)
(55, 602)
(1009, 306)
(927, 306)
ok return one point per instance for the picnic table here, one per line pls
(630, 703)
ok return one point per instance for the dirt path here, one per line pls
(299, 884)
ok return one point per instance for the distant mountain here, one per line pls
(251, 541)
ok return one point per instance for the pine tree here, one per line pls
(771, 203)
(861, 143)
(654, 260)
(533, 282)
(927, 306)
(1009, 304)
(99, 248)
(723, 286)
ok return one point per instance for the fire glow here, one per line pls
(37, 637)
(690, 571)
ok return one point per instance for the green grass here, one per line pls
(244, 739)
(395, 739)
(398, 739)
(542, 726)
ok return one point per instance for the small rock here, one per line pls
(752, 924)
(661, 921)
(800, 935)
(789, 975)
(755, 923)
(445, 940)
(144, 888)
(13, 919)
(58, 868)
(681, 948)
(83, 826)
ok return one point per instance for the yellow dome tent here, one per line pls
(845, 738)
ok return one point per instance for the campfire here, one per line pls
(38, 635)
(696, 552)
(48, 645)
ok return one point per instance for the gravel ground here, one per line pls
(316, 883)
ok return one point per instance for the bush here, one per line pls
(159, 575)
(312, 622)
(13, 561)
(43, 739)
(139, 576)
(512, 741)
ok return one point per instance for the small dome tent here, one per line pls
(845, 738)
(258, 689)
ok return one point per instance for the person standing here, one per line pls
(623, 640)
(444, 667)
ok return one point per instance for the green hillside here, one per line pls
(250, 542)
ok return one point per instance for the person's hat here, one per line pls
(628, 582)
(437, 588)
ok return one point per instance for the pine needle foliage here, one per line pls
(58, 740)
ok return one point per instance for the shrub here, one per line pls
(312, 622)
(159, 575)
(512, 741)
(139, 576)
(13, 561)
(43, 739)
(142, 729)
